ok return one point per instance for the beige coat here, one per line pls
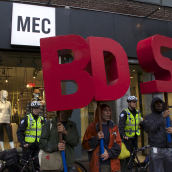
(5, 110)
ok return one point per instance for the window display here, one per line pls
(5, 114)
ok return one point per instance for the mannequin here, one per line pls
(43, 109)
(5, 114)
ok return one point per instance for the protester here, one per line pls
(49, 141)
(160, 152)
(29, 132)
(112, 143)
(129, 121)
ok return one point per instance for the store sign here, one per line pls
(30, 23)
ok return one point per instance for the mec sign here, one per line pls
(30, 23)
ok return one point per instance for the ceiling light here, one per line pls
(6, 80)
(3, 71)
(33, 63)
(131, 77)
(20, 63)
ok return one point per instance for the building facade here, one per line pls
(126, 21)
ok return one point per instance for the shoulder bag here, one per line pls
(50, 161)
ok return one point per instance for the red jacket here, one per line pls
(113, 147)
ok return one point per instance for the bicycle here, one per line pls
(11, 162)
(25, 166)
(136, 164)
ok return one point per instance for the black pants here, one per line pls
(128, 145)
(33, 152)
(8, 130)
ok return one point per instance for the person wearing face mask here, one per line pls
(129, 121)
(108, 161)
(50, 142)
(5, 114)
(29, 133)
(160, 152)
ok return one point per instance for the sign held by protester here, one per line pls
(100, 69)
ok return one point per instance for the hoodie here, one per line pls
(156, 126)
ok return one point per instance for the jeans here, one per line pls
(160, 159)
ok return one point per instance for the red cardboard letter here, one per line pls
(115, 83)
(151, 60)
(54, 73)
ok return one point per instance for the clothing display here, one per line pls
(8, 130)
(5, 115)
(5, 109)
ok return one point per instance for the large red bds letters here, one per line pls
(118, 73)
(54, 73)
(151, 60)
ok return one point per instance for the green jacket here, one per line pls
(49, 139)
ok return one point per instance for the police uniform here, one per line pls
(29, 131)
(129, 126)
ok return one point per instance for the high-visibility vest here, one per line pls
(132, 124)
(32, 128)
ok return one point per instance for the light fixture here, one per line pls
(20, 63)
(153, 12)
(3, 71)
(48, 2)
(131, 77)
(6, 80)
(33, 63)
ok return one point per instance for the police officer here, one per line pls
(129, 121)
(29, 133)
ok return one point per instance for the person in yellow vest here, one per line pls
(129, 121)
(29, 133)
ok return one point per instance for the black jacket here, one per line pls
(123, 118)
(156, 125)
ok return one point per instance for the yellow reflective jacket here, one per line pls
(33, 129)
(132, 124)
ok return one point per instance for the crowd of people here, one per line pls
(40, 134)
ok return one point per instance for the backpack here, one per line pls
(11, 157)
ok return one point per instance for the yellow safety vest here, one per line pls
(30, 133)
(132, 124)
